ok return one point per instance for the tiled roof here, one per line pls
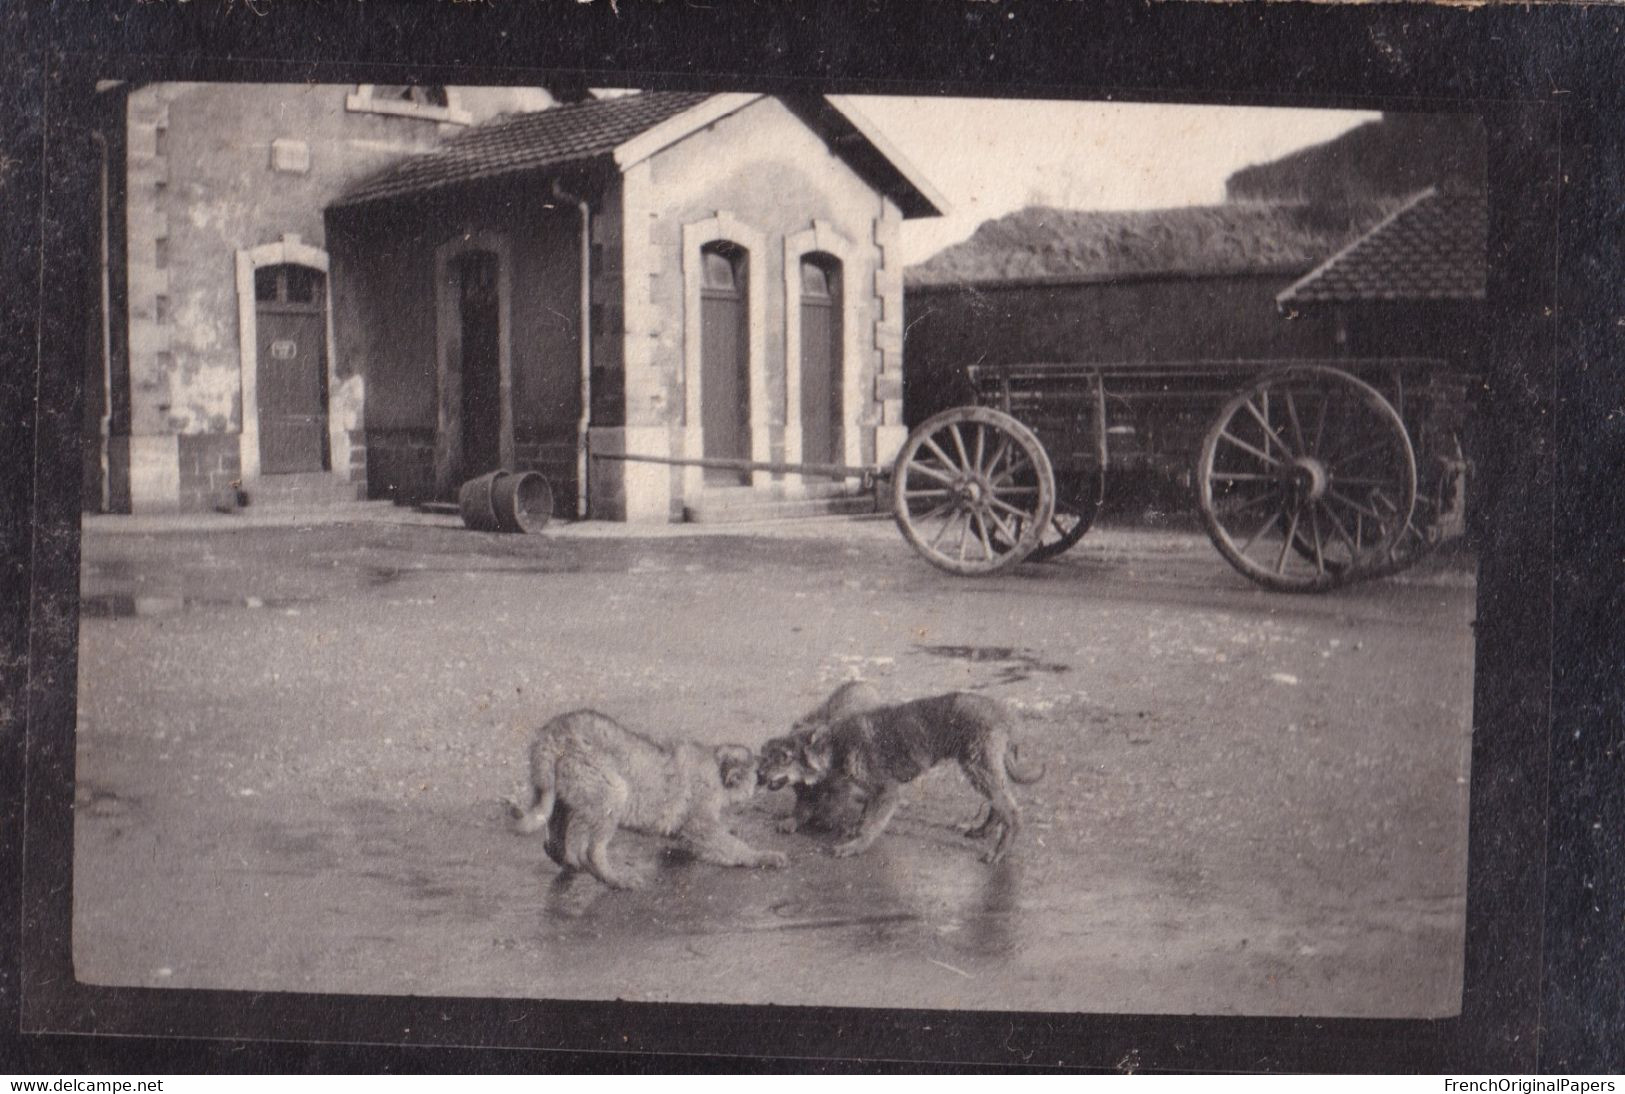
(526, 142)
(1431, 248)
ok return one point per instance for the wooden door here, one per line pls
(291, 368)
(481, 408)
(821, 438)
(724, 361)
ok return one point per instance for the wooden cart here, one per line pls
(1308, 474)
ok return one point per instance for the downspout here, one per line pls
(105, 427)
(583, 421)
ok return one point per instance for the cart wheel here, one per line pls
(1307, 479)
(972, 488)
(1077, 502)
(1423, 533)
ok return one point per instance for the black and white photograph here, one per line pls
(881, 551)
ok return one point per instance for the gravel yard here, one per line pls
(292, 742)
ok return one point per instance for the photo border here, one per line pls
(1498, 1029)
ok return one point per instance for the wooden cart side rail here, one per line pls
(1051, 396)
(1155, 413)
(1059, 379)
(1251, 365)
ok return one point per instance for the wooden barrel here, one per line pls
(477, 501)
(523, 502)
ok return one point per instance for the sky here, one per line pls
(989, 157)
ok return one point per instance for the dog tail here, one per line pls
(542, 794)
(1012, 767)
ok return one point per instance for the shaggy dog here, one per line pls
(879, 750)
(834, 804)
(591, 776)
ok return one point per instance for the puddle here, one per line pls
(97, 801)
(557, 566)
(113, 569)
(1014, 664)
(378, 576)
(126, 606)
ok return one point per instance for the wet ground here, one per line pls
(293, 740)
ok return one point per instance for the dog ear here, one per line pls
(815, 747)
(736, 763)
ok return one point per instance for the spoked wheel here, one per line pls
(1077, 502)
(1307, 479)
(972, 490)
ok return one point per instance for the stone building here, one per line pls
(1127, 292)
(211, 376)
(734, 259)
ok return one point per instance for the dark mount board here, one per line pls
(1544, 947)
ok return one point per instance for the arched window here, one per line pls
(816, 280)
(723, 267)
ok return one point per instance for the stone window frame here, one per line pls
(361, 100)
(290, 250)
(448, 437)
(823, 238)
(724, 227)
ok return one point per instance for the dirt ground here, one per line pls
(292, 742)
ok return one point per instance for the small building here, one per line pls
(211, 376)
(1413, 285)
(666, 274)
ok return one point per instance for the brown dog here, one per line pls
(835, 804)
(590, 776)
(879, 750)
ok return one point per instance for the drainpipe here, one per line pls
(105, 427)
(582, 422)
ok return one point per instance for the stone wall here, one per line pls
(393, 320)
(210, 470)
(757, 177)
(212, 171)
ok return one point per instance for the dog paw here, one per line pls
(773, 860)
(787, 825)
(992, 857)
(847, 849)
